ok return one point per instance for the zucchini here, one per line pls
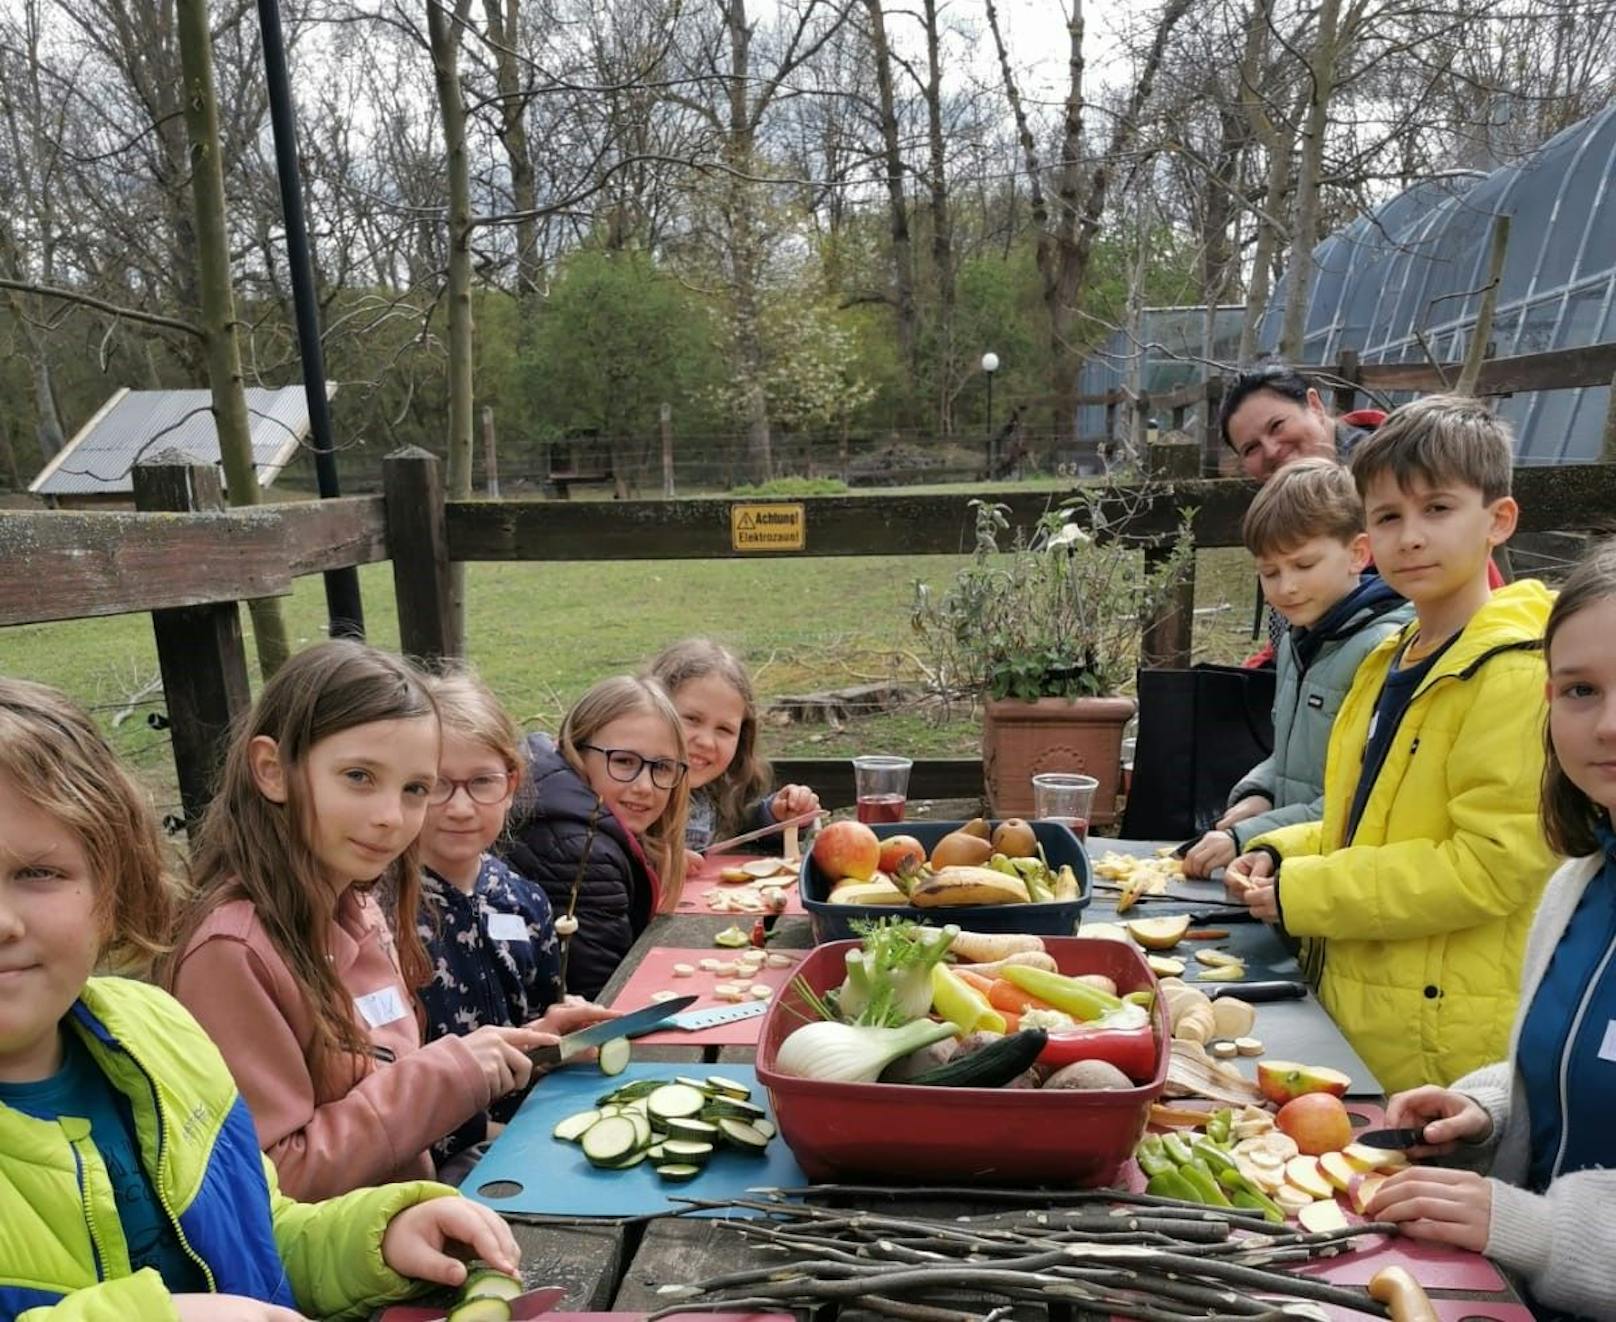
(633, 1159)
(700, 1130)
(571, 1129)
(991, 1067)
(629, 1092)
(480, 1308)
(765, 1127)
(720, 1107)
(485, 1282)
(687, 1150)
(739, 1134)
(678, 1171)
(717, 1083)
(700, 1085)
(674, 1101)
(609, 1141)
(613, 1055)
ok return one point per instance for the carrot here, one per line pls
(983, 985)
(1006, 996)
(989, 947)
(1012, 1021)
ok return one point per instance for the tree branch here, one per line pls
(101, 305)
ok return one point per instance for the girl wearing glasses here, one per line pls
(489, 935)
(600, 823)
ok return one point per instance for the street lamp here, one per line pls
(990, 365)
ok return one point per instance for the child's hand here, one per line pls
(1253, 805)
(417, 1240)
(694, 862)
(501, 1055)
(1263, 901)
(1435, 1203)
(1246, 872)
(1447, 1117)
(571, 1014)
(792, 801)
(1213, 850)
(231, 1308)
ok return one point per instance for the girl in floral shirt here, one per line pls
(490, 938)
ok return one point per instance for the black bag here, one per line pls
(1200, 731)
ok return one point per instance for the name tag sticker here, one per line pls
(382, 1007)
(506, 927)
(1607, 1048)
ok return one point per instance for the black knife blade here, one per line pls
(1391, 1139)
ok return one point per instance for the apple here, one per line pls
(1291, 1199)
(1317, 1123)
(900, 854)
(1159, 933)
(1304, 1173)
(847, 849)
(1338, 1171)
(1322, 1216)
(1282, 1081)
(1362, 1192)
(1366, 1158)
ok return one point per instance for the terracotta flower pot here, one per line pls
(1020, 739)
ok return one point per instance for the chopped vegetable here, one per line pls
(732, 938)
(614, 1055)
(852, 1053)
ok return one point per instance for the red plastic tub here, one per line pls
(847, 1131)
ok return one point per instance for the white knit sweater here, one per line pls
(1562, 1241)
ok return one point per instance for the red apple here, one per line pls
(847, 849)
(1318, 1123)
(1283, 1080)
(900, 854)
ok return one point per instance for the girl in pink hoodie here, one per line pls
(285, 956)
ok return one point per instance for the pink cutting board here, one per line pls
(693, 897)
(655, 973)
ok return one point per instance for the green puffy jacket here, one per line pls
(62, 1250)
(1416, 926)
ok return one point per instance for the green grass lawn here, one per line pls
(542, 633)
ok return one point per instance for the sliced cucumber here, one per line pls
(573, 1127)
(609, 1141)
(674, 1101)
(613, 1056)
(486, 1283)
(740, 1134)
(483, 1308)
(730, 1087)
(765, 1127)
(686, 1150)
(678, 1171)
(700, 1130)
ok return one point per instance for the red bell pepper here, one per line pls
(1131, 1050)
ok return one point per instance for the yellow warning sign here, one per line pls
(774, 527)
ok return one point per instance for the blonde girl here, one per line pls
(131, 1184)
(284, 954)
(600, 823)
(729, 777)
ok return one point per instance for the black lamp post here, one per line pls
(990, 365)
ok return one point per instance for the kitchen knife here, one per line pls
(1254, 992)
(632, 1024)
(693, 1021)
(1391, 1139)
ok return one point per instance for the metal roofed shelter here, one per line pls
(94, 468)
(1419, 262)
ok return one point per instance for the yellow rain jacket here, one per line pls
(1414, 929)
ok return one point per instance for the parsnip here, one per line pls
(987, 947)
(1036, 959)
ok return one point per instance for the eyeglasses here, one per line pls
(488, 788)
(625, 765)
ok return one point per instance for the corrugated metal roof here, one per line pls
(136, 423)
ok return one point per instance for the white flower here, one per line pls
(1068, 536)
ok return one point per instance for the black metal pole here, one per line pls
(991, 446)
(342, 601)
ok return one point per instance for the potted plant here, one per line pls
(1042, 626)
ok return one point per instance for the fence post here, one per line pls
(1607, 447)
(1165, 641)
(1211, 437)
(490, 454)
(665, 422)
(1345, 394)
(418, 542)
(199, 648)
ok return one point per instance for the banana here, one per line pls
(950, 886)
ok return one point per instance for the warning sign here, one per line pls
(768, 527)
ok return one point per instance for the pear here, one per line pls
(960, 849)
(1015, 838)
(977, 826)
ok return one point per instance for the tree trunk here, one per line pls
(504, 31)
(942, 235)
(745, 242)
(1279, 140)
(8, 458)
(218, 318)
(903, 267)
(1305, 226)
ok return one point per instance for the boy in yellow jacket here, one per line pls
(1414, 895)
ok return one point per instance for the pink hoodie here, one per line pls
(360, 1122)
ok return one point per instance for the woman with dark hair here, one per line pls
(1273, 414)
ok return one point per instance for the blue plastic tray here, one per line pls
(529, 1171)
(834, 922)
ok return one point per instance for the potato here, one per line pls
(920, 1062)
(1088, 1076)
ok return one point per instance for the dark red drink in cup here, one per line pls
(881, 787)
(1064, 797)
(881, 807)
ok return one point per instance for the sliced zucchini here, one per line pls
(613, 1056)
(609, 1141)
(633, 1159)
(571, 1129)
(733, 1106)
(686, 1150)
(700, 1130)
(678, 1171)
(765, 1127)
(642, 1129)
(630, 1092)
(740, 1134)
(700, 1085)
(482, 1308)
(487, 1283)
(674, 1101)
(729, 1087)
(657, 1151)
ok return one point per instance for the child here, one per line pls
(1305, 529)
(729, 778)
(600, 822)
(284, 956)
(488, 932)
(131, 1185)
(1416, 889)
(1539, 1121)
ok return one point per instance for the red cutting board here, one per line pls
(655, 973)
(693, 897)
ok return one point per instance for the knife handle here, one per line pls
(1257, 992)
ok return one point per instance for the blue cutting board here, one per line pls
(556, 1178)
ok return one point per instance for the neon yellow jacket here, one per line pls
(1423, 915)
(62, 1251)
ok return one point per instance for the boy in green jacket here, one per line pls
(1414, 892)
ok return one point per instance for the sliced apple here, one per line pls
(1337, 1170)
(1282, 1081)
(1323, 1216)
(1363, 1158)
(1164, 966)
(1104, 932)
(1213, 959)
(1305, 1174)
(1362, 1192)
(1291, 1199)
(1159, 933)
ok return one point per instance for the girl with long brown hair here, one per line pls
(283, 952)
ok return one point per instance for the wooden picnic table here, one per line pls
(615, 1266)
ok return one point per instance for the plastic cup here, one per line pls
(881, 787)
(1064, 797)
